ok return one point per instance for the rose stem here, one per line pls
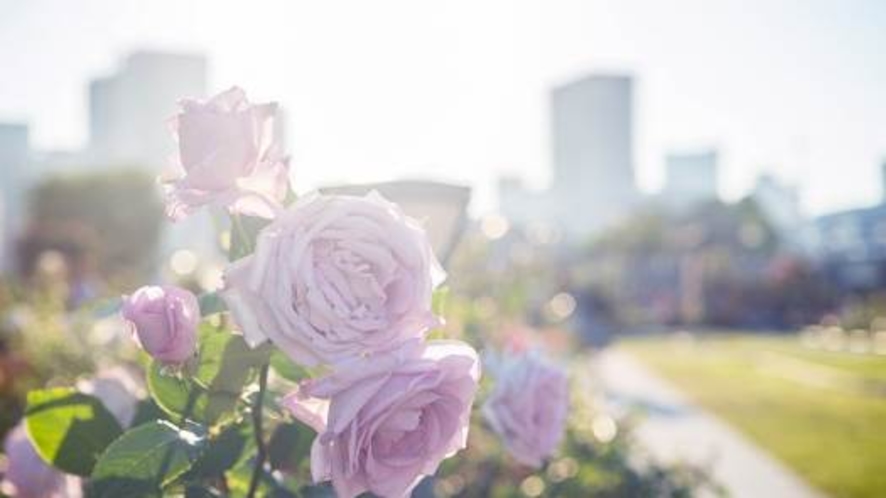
(261, 452)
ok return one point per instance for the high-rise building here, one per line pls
(592, 125)
(15, 152)
(127, 109)
(690, 177)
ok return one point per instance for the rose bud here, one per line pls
(164, 320)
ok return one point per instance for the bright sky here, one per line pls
(457, 89)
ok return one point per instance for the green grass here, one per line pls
(822, 413)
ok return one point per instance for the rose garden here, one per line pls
(337, 358)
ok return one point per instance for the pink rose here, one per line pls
(28, 476)
(335, 277)
(118, 390)
(527, 407)
(389, 420)
(228, 155)
(165, 321)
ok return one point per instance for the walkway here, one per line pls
(674, 430)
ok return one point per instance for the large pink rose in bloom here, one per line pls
(385, 422)
(164, 319)
(228, 156)
(334, 277)
(528, 406)
(28, 476)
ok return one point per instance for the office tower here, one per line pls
(128, 109)
(15, 152)
(690, 178)
(592, 125)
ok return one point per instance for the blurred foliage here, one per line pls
(715, 264)
(596, 459)
(107, 225)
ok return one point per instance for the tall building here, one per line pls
(690, 178)
(127, 109)
(592, 126)
(15, 152)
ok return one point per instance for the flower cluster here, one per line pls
(340, 281)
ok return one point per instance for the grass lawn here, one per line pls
(822, 413)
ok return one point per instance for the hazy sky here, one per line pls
(457, 89)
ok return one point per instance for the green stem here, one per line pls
(261, 451)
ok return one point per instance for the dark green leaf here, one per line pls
(225, 360)
(69, 429)
(182, 398)
(144, 460)
(195, 491)
(244, 232)
(147, 411)
(211, 303)
(222, 452)
(290, 445)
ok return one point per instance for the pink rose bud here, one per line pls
(385, 422)
(228, 156)
(165, 321)
(28, 476)
(527, 407)
(335, 277)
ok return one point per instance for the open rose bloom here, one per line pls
(528, 406)
(384, 423)
(335, 277)
(228, 156)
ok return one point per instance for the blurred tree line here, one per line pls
(716, 264)
(105, 225)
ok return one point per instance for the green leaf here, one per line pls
(290, 445)
(244, 232)
(147, 411)
(144, 460)
(225, 360)
(439, 299)
(211, 303)
(286, 368)
(69, 429)
(182, 398)
(222, 452)
(196, 491)
(225, 364)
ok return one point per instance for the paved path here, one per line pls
(673, 429)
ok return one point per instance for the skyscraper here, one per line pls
(15, 152)
(128, 108)
(690, 177)
(592, 125)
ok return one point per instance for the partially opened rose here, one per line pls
(385, 422)
(528, 406)
(228, 156)
(164, 320)
(28, 476)
(334, 277)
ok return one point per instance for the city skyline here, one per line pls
(466, 98)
